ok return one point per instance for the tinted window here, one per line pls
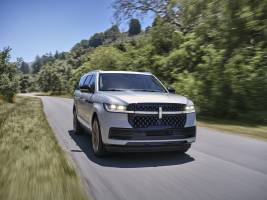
(136, 82)
(88, 79)
(92, 83)
(82, 81)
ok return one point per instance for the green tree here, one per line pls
(24, 83)
(105, 58)
(82, 44)
(8, 76)
(134, 27)
(212, 51)
(112, 34)
(96, 40)
(36, 65)
(41, 61)
(54, 77)
(24, 67)
(137, 8)
(162, 36)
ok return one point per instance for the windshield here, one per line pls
(134, 82)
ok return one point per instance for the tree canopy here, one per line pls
(213, 51)
(24, 67)
(8, 76)
(134, 27)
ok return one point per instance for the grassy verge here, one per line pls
(242, 128)
(32, 164)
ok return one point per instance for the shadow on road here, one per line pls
(129, 160)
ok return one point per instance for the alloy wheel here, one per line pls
(95, 136)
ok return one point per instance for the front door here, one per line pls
(89, 103)
(83, 99)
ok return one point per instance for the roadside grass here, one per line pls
(258, 131)
(32, 164)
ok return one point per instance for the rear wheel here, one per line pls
(77, 127)
(97, 143)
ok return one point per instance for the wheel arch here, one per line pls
(93, 118)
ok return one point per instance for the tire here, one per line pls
(77, 127)
(97, 143)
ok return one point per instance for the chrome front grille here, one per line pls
(155, 107)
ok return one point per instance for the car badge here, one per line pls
(160, 112)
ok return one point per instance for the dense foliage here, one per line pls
(54, 77)
(24, 67)
(8, 76)
(213, 51)
(134, 27)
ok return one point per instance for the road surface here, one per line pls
(218, 167)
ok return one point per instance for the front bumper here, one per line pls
(151, 140)
(152, 133)
(119, 122)
(149, 146)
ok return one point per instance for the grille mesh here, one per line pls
(146, 121)
(152, 120)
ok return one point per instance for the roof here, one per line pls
(121, 72)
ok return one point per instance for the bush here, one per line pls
(8, 76)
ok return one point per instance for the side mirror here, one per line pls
(171, 90)
(87, 89)
(84, 88)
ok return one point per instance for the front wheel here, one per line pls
(97, 143)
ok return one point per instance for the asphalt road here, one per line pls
(218, 167)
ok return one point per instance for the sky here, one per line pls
(36, 27)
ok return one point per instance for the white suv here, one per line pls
(132, 111)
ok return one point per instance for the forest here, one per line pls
(212, 51)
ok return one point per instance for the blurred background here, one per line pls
(213, 51)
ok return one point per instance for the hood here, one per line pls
(127, 97)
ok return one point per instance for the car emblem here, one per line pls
(160, 112)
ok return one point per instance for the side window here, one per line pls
(82, 81)
(92, 83)
(88, 79)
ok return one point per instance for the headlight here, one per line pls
(190, 108)
(115, 108)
